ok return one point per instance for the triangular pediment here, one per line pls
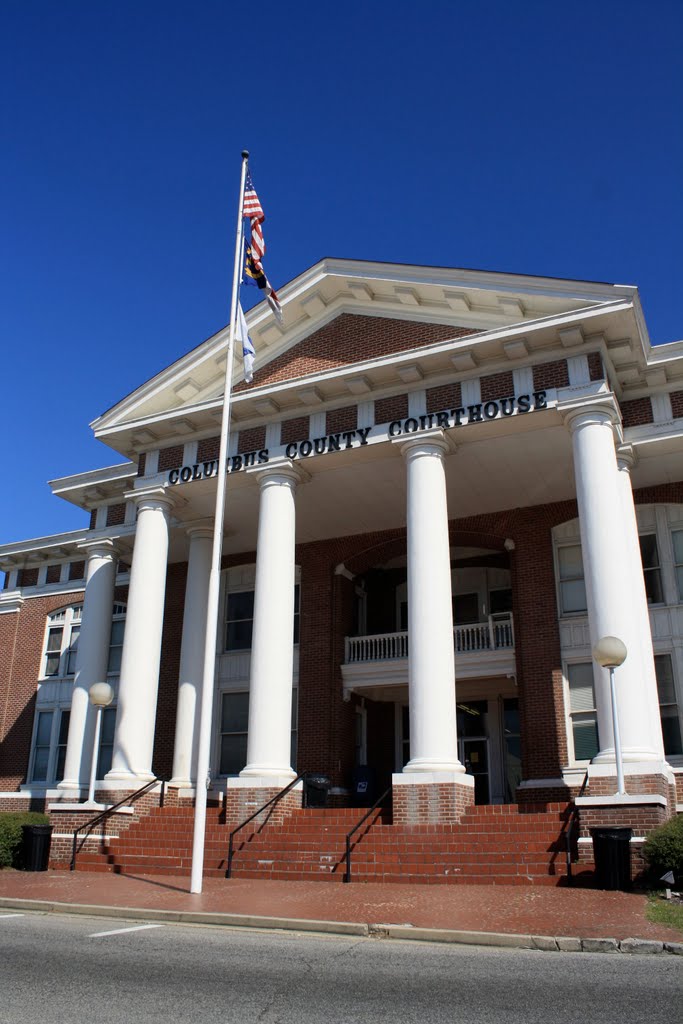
(340, 317)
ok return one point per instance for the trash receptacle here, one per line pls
(612, 856)
(316, 790)
(35, 846)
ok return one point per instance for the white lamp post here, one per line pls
(100, 695)
(610, 652)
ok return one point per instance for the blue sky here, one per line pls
(526, 137)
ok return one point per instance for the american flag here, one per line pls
(252, 206)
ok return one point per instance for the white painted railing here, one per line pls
(495, 634)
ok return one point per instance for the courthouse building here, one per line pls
(444, 487)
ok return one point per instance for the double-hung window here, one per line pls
(677, 539)
(582, 711)
(649, 553)
(234, 729)
(240, 619)
(668, 705)
(61, 646)
(49, 745)
(572, 585)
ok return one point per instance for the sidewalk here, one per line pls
(500, 911)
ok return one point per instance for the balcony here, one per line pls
(481, 649)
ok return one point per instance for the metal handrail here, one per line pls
(569, 831)
(347, 855)
(273, 800)
(109, 811)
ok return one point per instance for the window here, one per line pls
(61, 645)
(465, 609)
(62, 641)
(584, 719)
(240, 619)
(668, 705)
(49, 746)
(572, 586)
(106, 741)
(500, 601)
(234, 731)
(649, 554)
(677, 538)
(116, 641)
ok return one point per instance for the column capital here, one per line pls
(279, 471)
(627, 457)
(152, 497)
(102, 548)
(426, 442)
(202, 530)
(591, 410)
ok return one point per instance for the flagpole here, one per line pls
(206, 705)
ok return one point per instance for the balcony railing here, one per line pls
(496, 634)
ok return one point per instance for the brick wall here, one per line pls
(596, 370)
(208, 449)
(170, 458)
(21, 645)
(338, 420)
(351, 338)
(251, 440)
(296, 429)
(637, 412)
(388, 409)
(27, 578)
(53, 574)
(677, 404)
(497, 385)
(447, 396)
(77, 570)
(142, 463)
(116, 514)
(551, 375)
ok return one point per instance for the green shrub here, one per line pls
(663, 849)
(11, 834)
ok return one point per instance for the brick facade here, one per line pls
(348, 339)
(636, 412)
(677, 404)
(394, 408)
(551, 375)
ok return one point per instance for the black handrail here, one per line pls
(273, 800)
(347, 872)
(569, 832)
(110, 810)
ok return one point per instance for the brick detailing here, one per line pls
(338, 420)
(677, 404)
(596, 370)
(142, 463)
(251, 440)
(352, 338)
(54, 573)
(637, 412)
(93, 519)
(388, 409)
(551, 375)
(446, 396)
(27, 578)
(208, 449)
(296, 429)
(77, 570)
(431, 803)
(116, 514)
(170, 458)
(497, 385)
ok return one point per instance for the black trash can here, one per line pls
(316, 790)
(612, 855)
(35, 846)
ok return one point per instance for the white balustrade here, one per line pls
(495, 634)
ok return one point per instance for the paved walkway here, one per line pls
(499, 909)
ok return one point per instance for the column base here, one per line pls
(431, 798)
(262, 772)
(244, 796)
(423, 764)
(131, 780)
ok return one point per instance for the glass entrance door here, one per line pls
(474, 754)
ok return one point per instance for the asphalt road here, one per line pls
(96, 971)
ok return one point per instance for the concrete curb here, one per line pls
(545, 943)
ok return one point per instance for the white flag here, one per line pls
(248, 353)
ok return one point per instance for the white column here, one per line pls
(272, 647)
(609, 573)
(641, 634)
(192, 658)
(139, 683)
(91, 660)
(431, 658)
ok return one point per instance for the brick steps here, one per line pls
(491, 845)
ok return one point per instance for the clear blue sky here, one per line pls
(524, 136)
